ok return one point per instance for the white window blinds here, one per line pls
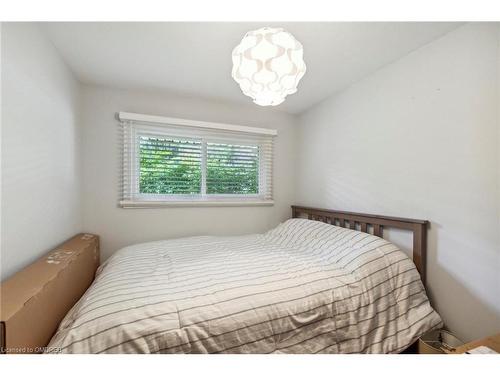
(232, 168)
(169, 165)
(175, 161)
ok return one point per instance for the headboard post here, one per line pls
(362, 222)
(420, 248)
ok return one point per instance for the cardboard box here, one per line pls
(35, 300)
(437, 341)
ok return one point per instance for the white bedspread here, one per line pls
(303, 287)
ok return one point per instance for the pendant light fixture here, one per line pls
(268, 65)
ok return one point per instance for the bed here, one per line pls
(321, 282)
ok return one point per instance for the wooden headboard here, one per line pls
(373, 224)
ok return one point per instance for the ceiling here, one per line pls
(195, 58)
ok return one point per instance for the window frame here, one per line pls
(134, 126)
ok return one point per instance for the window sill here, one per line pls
(159, 204)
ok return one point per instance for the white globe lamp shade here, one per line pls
(268, 65)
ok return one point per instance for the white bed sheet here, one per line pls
(303, 287)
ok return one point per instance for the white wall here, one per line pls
(119, 227)
(40, 152)
(419, 138)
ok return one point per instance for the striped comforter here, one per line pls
(303, 287)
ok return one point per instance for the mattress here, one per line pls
(303, 287)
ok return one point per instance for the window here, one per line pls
(232, 169)
(181, 162)
(169, 166)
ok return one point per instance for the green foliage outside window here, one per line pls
(232, 169)
(169, 166)
(172, 166)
